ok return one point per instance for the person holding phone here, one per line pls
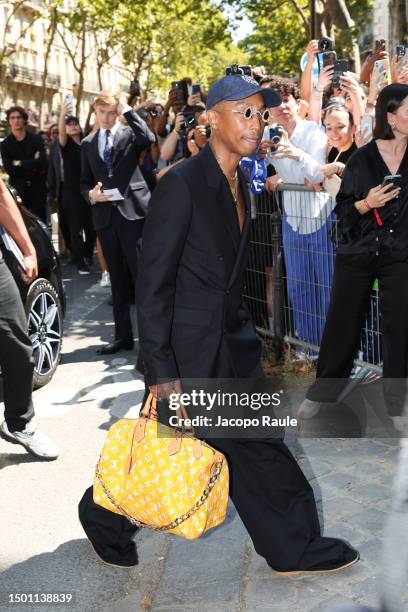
(372, 212)
(77, 210)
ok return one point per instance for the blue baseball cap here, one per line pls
(238, 87)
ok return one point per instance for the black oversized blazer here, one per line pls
(129, 141)
(192, 321)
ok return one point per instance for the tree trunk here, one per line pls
(99, 72)
(320, 17)
(341, 18)
(51, 33)
(81, 68)
(339, 13)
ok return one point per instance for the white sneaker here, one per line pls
(34, 441)
(105, 280)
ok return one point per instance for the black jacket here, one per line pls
(192, 321)
(129, 141)
(32, 169)
(361, 233)
(54, 170)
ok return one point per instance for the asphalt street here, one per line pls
(44, 550)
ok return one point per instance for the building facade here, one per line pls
(22, 70)
(389, 20)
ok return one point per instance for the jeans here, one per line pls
(16, 360)
(309, 269)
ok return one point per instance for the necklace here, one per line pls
(234, 188)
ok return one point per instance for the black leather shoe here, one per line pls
(115, 347)
(332, 567)
(127, 558)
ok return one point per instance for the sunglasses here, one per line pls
(249, 113)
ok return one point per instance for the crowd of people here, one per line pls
(341, 135)
(323, 118)
(321, 122)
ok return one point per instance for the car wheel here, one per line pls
(44, 315)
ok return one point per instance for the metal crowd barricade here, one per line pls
(290, 270)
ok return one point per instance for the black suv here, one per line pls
(43, 298)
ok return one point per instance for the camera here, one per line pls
(189, 121)
(325, 44)
(235, 70)
(207, 131)
(400, 50)
(275, 135)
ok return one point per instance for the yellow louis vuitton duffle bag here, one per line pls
(160, 478)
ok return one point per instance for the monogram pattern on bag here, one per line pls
(160, 488)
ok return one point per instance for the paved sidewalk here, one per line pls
(44, 548)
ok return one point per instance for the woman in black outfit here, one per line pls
(372, 243)
(339, 124)
(77, 209)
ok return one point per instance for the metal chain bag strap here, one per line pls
(161, 478)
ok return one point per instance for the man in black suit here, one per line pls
(25, 161)
(110, 160)
(193, 324)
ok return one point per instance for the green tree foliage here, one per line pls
(159, 42)
(165, 42)
(277, 41)
(281, 27)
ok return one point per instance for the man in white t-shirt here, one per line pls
(308, 217)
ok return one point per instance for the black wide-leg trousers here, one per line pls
(272, 497)
(353, 280)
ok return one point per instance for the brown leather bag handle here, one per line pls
(149, 410)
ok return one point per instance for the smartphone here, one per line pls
(380, 45)
(69, 102)
(329, 58)
(134, 88)
(401, 53)
(182, 90)
(366, 125)
(392, 178)
(340, 67)
(275, 134)
(196, 88)
(382, 70)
